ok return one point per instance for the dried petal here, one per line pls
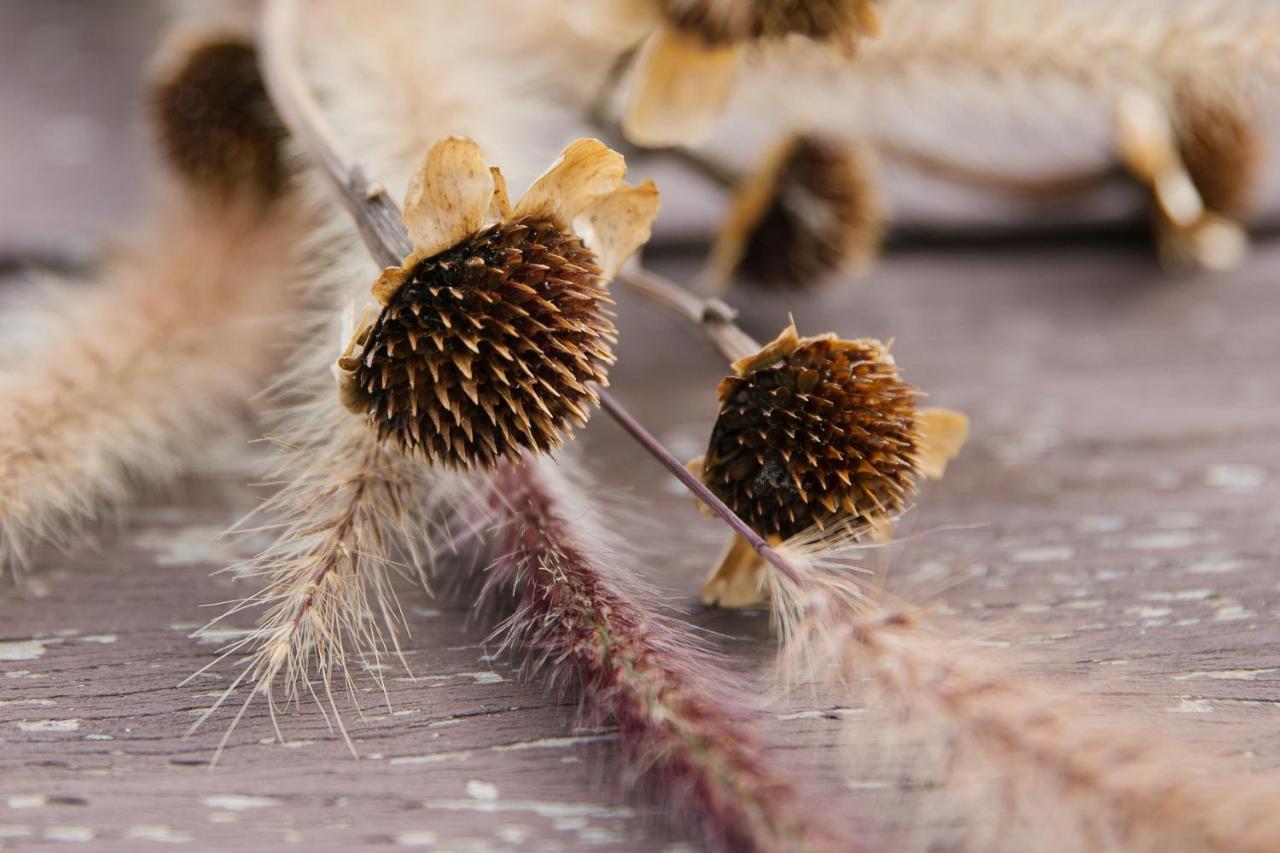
(614, 226)
(586, 170)
(679, 90)
(448, 198)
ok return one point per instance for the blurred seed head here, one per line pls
(214, 121)
(1221, 146)
(721, 22)
(814, 432)
(811, 212)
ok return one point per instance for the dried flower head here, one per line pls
(812, 431)
(687, 66)
(493, 329)
(818, 439)
(810, 212)
(214, 121)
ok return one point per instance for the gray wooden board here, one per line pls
(1123, 471)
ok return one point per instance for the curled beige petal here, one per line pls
(500, 204)
(390, 281)
(679, 90)
(585, 170)
(449, 197)
(738, 580)
(942, 432)
(614, 226)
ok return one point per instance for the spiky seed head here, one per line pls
(214, 120)
(722, 22)
(811, 212)
(1221, 146)
(490, 347)
(715, 22)
(820, 20)
(814, 431)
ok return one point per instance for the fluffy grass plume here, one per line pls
(120, 380)
(585, 624)
(1020, 764)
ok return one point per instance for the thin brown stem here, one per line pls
(376, 215)
(713, 318)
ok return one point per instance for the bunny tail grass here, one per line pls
(353, 514)
(116, 383)
(582, 622)
(1019, 761)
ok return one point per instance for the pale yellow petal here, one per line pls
(586, 170)
(943, 433)
(783, 345)
(614, 226)
(679, 90)
(449, 197)
(738, 578)
(391, 280)
(500, 204)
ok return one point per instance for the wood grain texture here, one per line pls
(1123, 472)
(1123, 475)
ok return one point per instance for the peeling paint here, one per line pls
(239, 802)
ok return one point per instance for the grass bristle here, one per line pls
(584, 625)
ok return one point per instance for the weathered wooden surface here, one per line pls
(1123, 467)
(1123, 473)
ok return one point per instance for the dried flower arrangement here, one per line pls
(426, 401)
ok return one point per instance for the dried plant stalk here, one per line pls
(682, 731)
(121, 380)
(1026, 762)
(352, 506)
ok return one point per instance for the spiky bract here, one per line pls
(490, 347)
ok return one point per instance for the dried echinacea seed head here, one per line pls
(490, 346)
(814, 432)
(714, 22)
(721, 22)
(821, 20)
(493, 330)
(811, 212)
(215, 123)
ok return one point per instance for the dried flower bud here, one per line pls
(714, 22)
(493, 330)
(809, 213)
(1221, 147)
(721, 22)
(821, 20)
(814, 431)
(215, 123)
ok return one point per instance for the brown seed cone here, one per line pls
(820, 20)
(214, 121)
(814, 431)
(716, 22)
(722, 22)
(1221, 146)
(490, 347)
(811, 212)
